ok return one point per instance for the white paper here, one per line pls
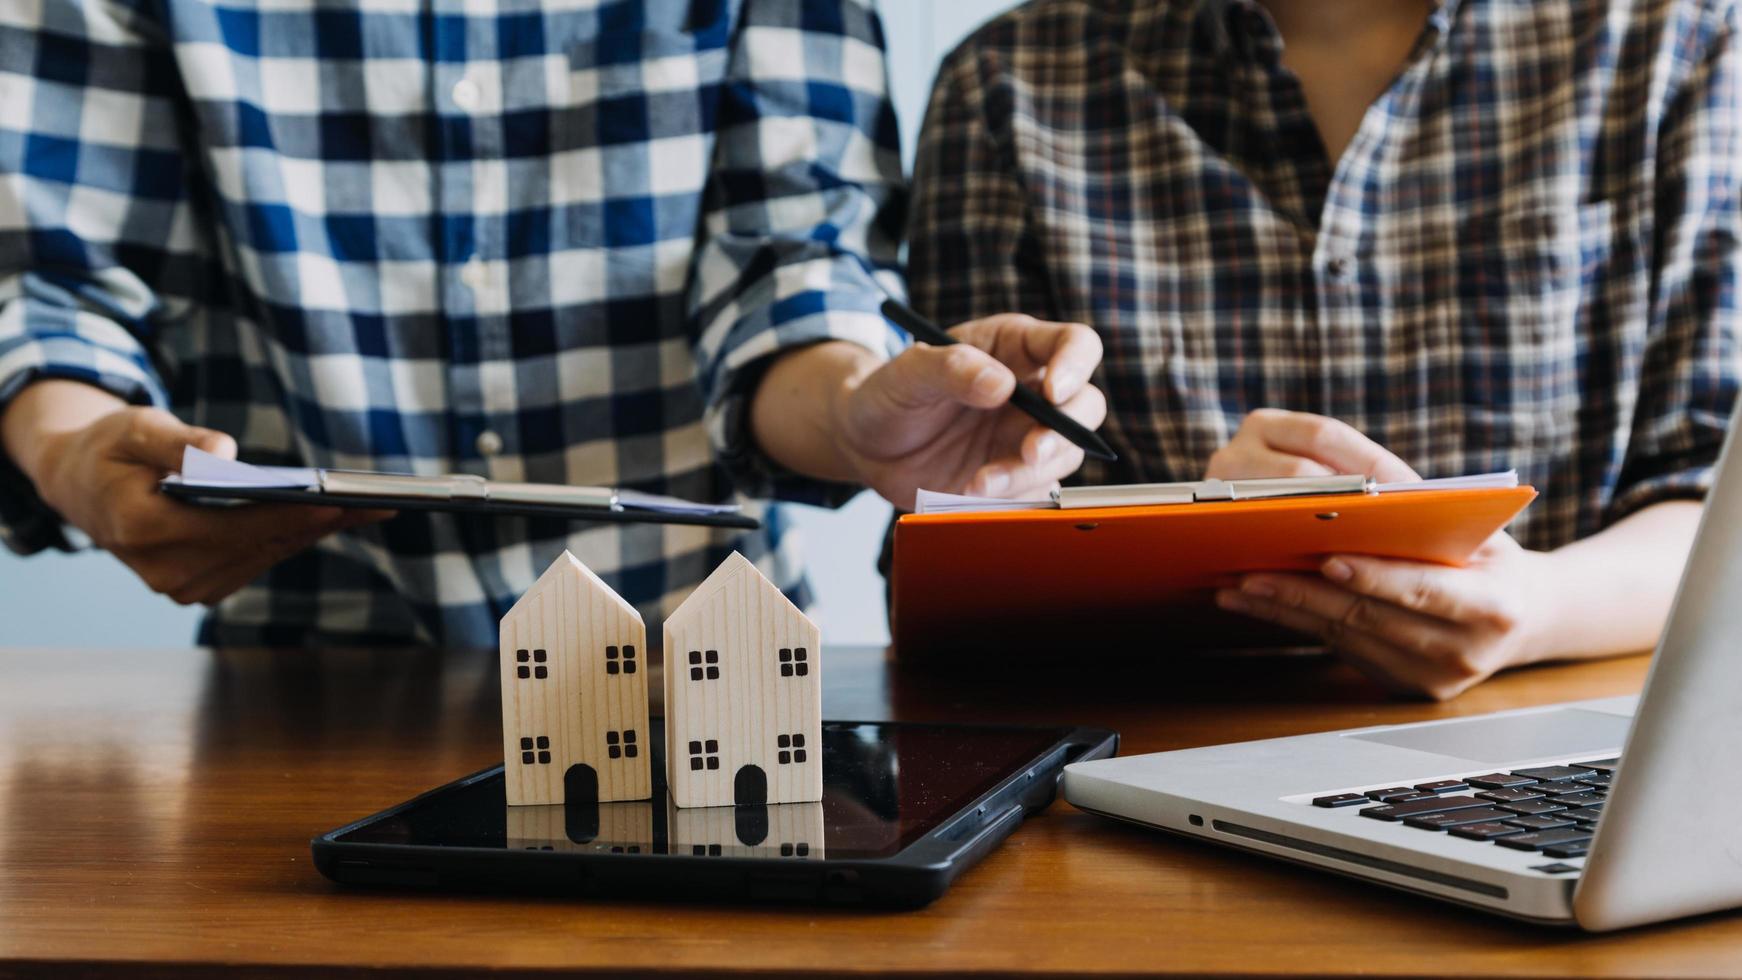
(636, 500)
(937, 502)
(200, 468)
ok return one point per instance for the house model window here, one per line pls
(625, 658)
(531, 664)
(704, 665)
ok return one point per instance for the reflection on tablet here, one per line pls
(882, 788)
(787, 830)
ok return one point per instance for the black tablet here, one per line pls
(221, 496)
(905, 808)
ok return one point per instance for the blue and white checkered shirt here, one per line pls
(548, 240)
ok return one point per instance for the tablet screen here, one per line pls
(884, 786)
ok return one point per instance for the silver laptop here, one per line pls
(1603, 814)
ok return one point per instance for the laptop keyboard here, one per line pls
(1551, 809)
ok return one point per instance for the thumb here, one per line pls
(924, 375)
(157, 438)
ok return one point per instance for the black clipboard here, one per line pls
(213, 495)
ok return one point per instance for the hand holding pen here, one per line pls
(942, 416)
(1026, 400)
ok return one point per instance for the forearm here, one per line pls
(1617, 585)
(796, 409)
(46, 410)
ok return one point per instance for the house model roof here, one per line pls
(567, 569)
(735, 568)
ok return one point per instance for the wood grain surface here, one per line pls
(156, 809)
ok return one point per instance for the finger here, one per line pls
(1088, 407)
(1013, 477)
(1381, 662)
(236, 528)
(1251, 461)
(924, 375)
(212, 585)
(158, 439)
(1041, 444)
(1349, 610)
(1331, 442)
(1066, 354)
(1431, 590)
(1022, 479)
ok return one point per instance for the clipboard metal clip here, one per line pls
(461, 486)
(1199, 491)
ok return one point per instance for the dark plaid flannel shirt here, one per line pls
(1530, 255)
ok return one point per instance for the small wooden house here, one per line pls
(574, 692)
(743, 694)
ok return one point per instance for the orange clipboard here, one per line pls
(1070, 582)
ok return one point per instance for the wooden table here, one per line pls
(156, 808)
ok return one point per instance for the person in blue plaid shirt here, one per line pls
(1383, 237)
(600, 242)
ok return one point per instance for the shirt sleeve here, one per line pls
(93, 218)
(1688, 382)
(802, 218)
(971, 251)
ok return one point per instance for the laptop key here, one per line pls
(1551, 773)
(1511, 794)
(1580, 799)
(1443, 786)
(1532, 807)
(1490, 830)
(1542, 839)
(1395, 792)
(1590, 813)
(1412, 808)
(1456, 818)
(1341, 799)
(1597, 780)
(1575, 850)
(1554, 822)
(1499, 780)
(1601, 765)
(1566, 788)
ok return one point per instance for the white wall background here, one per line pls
(45, 600)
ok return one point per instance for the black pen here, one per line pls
(1028, 401)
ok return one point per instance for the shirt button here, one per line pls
(467, 94)
(489, 443)
(1339, 266)
(472, 274)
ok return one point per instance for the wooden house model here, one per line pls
(743, 694)
(574, 692)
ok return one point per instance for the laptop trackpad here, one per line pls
(1512, 738)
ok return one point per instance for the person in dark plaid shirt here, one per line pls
(601, 242)
(1378, 236)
